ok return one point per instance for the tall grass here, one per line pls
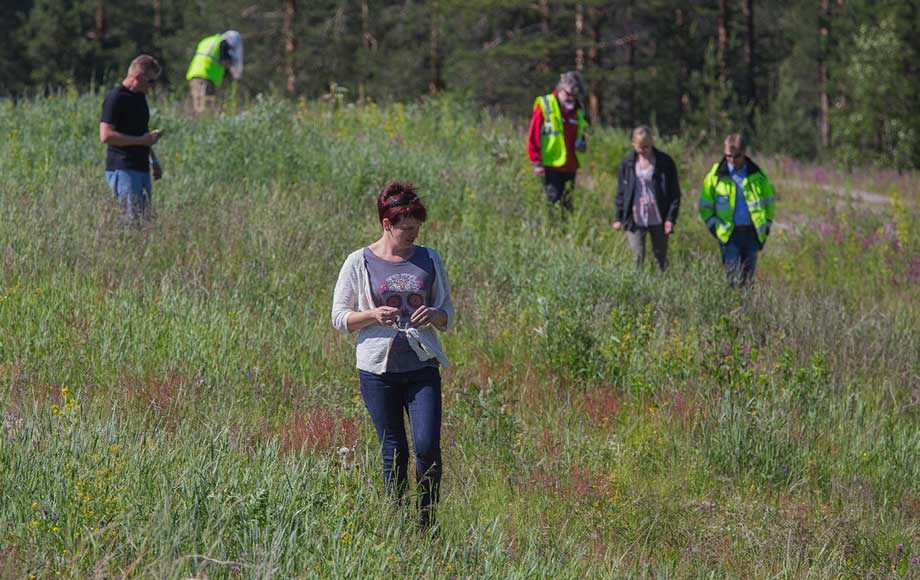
(176, 402)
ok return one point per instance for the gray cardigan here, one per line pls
(353, 294)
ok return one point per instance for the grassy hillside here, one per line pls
(177, 404)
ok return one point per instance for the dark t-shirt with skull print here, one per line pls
(405, 285)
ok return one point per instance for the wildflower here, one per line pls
(343, 451)
(346, 538)
(901, 548)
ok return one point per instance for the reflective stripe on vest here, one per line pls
(717, 203)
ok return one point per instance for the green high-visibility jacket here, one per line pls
(717, 202)
(206, 62)
(552, 141)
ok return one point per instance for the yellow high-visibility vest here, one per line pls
(552, 135)
(206, 62)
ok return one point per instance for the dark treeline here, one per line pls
(830, 78)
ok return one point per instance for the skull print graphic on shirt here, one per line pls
(404, 285)
(404, 291)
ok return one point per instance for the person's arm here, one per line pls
(621, 197)
(707, 203)
(534, 136)
(442, 318)
(383, 315)
(345, 318)
(769, 198)
(155, 165)
(109, 136)
(674, 193)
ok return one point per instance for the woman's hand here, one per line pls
(385, 315)
(425, 315)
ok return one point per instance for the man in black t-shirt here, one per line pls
(123, 127)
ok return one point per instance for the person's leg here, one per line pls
(731, 260)
(553, 185)
(659, 246)
(145, 204)
(749, 248)
(424, 403)
(636, 240)
(568, 185)
(126, 186)
(197, 88)
(385, 401)
(210, 96)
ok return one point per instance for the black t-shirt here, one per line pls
(127, 111)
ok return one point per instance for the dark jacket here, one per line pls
(667, 188)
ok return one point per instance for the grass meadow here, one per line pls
(176, 403)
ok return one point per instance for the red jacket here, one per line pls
(570, 122)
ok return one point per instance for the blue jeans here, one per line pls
(132, 190)
(387, 396)
(739, 256)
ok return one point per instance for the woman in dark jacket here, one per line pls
(648, 197)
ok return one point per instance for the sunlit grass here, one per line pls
(176, 403)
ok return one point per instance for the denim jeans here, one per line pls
(132, 190)
(387, 397)
(739, 256)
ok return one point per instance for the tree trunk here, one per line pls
(290, 46)
(596, 88)
(367, 41)
(436, 82)
(631, 69)
(723, 40)
(99, 29)
(157, 21)
(750, 62)
(579, 37)
(824, 23)
(683, 73)
(544, 66)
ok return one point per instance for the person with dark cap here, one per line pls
(214, 57)
(556, 138)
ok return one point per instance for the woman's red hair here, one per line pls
(398, 200)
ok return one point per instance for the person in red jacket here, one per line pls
(556, 137)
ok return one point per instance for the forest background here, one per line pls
(832, 79)
(175, 403)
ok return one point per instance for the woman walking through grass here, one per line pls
(648, 197)
(395, 293)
